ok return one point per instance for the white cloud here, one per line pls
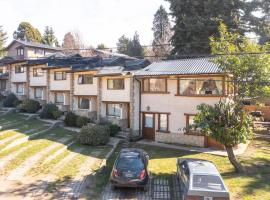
(99, 21)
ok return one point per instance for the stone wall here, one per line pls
(180, 138)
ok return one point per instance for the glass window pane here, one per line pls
(38, 92)
(84, 103)
(20, 88)
(114, 110)
(110, 84)
(187, 87)
(209, 87)
(148, 121)
(207, 182)
(157, 85)
(88, 79)
(59, 98)
(163, 122)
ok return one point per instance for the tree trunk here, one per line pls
(238, 167)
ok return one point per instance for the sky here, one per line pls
(98, 21)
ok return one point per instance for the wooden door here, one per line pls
(149, 126)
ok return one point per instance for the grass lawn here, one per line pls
(255, 185)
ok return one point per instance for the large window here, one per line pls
(163, 122)
(38, 93)
(19, 69)
(114, 110)
(115, 84)
(207, 86)
(19, 88)
(2, 84)
(155, 85)
(85, 79)
(37, 72)
(84, 103)
(59, 98)
(60, 76)
(190, 125)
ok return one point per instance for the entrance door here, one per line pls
(149, 126)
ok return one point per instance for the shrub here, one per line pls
(94, 135)
(56, 114)
(10, 101)
(29, 106)
(114, 129)
(70, 119)
(49, 111)
(81, 121)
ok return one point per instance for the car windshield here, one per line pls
(207, 182)
(129, 162)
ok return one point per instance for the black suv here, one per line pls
(130, 169)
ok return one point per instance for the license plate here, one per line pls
(128, 175)
(208, 198)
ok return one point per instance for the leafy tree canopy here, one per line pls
(101, 46)
(49, 37)
(3, 38)
(27, 32)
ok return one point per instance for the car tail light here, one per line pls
(115, 173)
(193, 198)
(142, 174)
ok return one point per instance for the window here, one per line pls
(59, 98)
(114, 110)
(149, 121)
(38, 93)
(84, 103)
(2, 84)
(207, 182)
(155, 85)
(39, 51)
(85, 79)
(20, 88)
(20, 52)
(60, 76)
(37, 72)
(190, 128)
(163, 122)
(193, 87)
(19, 69)
(1, 71)
(115, 84)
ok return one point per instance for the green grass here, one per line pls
(11, 118)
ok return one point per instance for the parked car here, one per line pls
(130, 169)
(200, 180)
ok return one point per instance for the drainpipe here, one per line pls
(140, 100)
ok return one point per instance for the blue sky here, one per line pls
(99, 21)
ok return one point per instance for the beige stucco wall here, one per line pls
(59, 84)
(38, 81)
(116, 95)
(18, 77)
(12, 52)
(85, 89)
(176, 106)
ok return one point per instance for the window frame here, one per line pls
(36, 74)
(113, 79)
(187, 130)
(55, 98)
(167, 127)
(107, 110)
(154, 92)
(63, 75)
(83, 79)
(35, 94)
(196, 78)
(17, 87)
(79, 103)
(20, 51)
(19, 71)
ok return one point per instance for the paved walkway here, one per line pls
(240, 150)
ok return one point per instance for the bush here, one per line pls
(49, 111)
(114, 129)
(94, 135)
(11, 101)
(29, 106)
(56, 114)
(81, 121)
(70, 119)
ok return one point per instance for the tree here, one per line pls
(162, 34)
(197, 20)
(3, 38)
(49, 37)
(27, 32)
(122, 45)
(250, 71)
(227, 123)
(73, 42)
(101, 46)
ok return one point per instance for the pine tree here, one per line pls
(134, 47)
(122, 45)
(27, 32)
(49, 37)
(101, 46)
(162, 34)
(3, 38)
(197, 20)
